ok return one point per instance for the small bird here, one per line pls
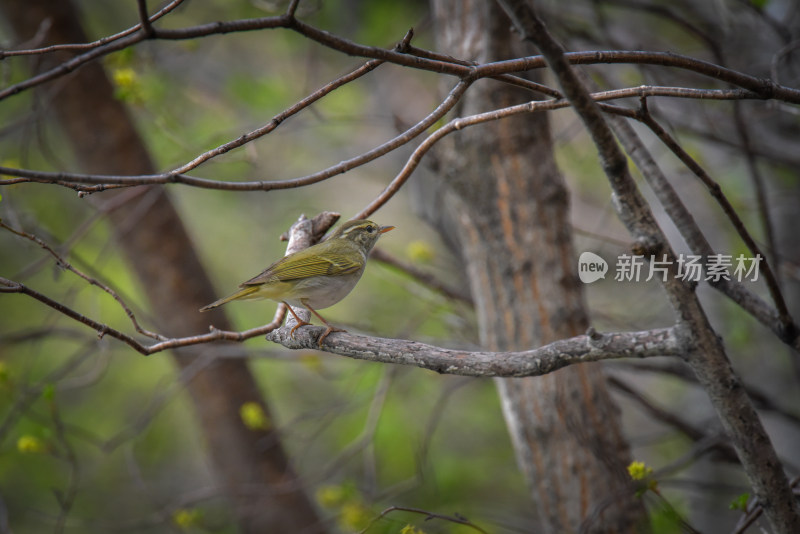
(316, 277)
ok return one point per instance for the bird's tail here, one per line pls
(241, 294)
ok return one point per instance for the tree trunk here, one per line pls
(507, 203)
(251, 464)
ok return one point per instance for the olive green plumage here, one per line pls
(315, 277)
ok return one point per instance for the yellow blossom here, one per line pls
(354, 515)
(186, 518)
(420, 251)
(331, 496)
(124, 78)
(639, 471)
(253, 416)
(30, 445)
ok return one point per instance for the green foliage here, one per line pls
(666, 520)
(740, 502)
(348, 505)
(267, 93)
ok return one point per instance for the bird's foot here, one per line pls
(298, 325)
(328, 331)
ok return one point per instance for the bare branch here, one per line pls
(10, 286)
(74, 179)
(790, 330)
(691, 232)
(93, 281)
(764, 88)
(428, 515)
(147, 28)
(507, 78)
(534, 362)
(707, 357)
(724, 449)
(529, 107)
(422, 277)
(94, 44)
(276, 121)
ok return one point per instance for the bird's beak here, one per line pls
(384, 229)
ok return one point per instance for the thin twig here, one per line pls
(10, 286)
(63, 263)
(428, 515)
(144, 19)
(760, 189)
(424, 278)
(716, 192)
(103, 180)
(94, 44)
(690, 230)
(276, 121)
(67, 498)
(756, 510)
(725, 451)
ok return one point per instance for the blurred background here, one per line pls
(362, 436)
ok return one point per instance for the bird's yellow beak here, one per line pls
(384, 229)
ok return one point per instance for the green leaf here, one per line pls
(740, 502)
(49, 392)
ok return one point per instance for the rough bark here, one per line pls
(506, 203)
(250, 464)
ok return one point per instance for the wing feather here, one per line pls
(307, 265)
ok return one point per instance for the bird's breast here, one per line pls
(323, 291)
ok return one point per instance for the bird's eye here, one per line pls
(371, 229)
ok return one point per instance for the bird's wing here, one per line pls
(306, 266)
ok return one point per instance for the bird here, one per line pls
(316, 277)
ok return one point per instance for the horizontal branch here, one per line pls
(99, 182)
(102, 329)
(591, 347)
(425, 278)
(765, 88)
(63, 263)
(535, 362)
(75, 47)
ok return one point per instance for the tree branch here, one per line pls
(790, 330)
(61, 262)
(102, 181)
(10, 286)
(535, 362)
(586, 348)
(424, 278)
(691, 232)
(706, 355)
